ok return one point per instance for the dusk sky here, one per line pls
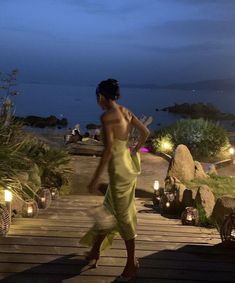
(135, 41)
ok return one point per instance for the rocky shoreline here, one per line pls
(42, 122)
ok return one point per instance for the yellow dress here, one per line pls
(119, 202)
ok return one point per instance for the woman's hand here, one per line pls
(93, 185)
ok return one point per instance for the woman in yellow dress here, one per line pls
(119, 212)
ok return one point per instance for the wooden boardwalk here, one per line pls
(46, 249)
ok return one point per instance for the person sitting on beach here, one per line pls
(73, 137)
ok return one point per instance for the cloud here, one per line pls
(107, 6)
(183, 49)
(215, 29)
(32, 31)
(202, 2)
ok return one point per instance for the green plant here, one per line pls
(220, 185)
(52, 162)
(7, 86)
(203, 138)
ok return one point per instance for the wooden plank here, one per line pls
(16, 228)
(48, 247)
(74, 242)
(66, 278)
(156, 272)
(152, 238)
(156, 227)
(118, 249)
(198, 264)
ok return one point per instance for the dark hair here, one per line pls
(109, 89)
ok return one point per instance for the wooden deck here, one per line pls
(46, 249)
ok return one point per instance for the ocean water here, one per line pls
(78, 103)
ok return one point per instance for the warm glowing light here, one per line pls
(233, 233)
(53, 194)
(189, 217)
(43, 199)
(8, 195)
(168, 204)
(156, 185)
(166, 146)
(30, 210)
(231, 150)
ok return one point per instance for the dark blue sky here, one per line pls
(135, 41)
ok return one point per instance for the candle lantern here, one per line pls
(4, 220)
(158, 192)
(7, 196)
(30, 208)
(54, 193)
(227, 231)
(43, 198)
(190, 216)
(167, 203)
(8, 199)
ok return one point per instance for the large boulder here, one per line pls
(211, 169)
(182, 165)
(223, 207)
(199, 171)
(183, 195)
(206, 199)
(173, 185)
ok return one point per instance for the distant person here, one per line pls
(73, 136)
(76, 136)
(118, 214)
(76, 128)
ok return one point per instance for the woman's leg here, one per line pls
(95, 250)
(132, 263)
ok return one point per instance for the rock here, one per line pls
(199, 171)
(199, 110)
(41, 122)
(183, 195)
(182, 165)
(173, 185)
(206, 199)
(211, 169)
(223, 207)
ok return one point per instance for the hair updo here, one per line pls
(109, 89)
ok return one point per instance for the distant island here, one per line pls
(42, 122)
(199, 110)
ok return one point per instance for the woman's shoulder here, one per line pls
(125, 110)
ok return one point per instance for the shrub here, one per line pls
(203, 138)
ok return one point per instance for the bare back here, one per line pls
(119, 120)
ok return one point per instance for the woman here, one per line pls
(123, 168)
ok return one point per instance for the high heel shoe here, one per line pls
(122, 278)
(92, 258)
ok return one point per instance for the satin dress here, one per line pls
(118, 212)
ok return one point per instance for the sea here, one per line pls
(78, 103)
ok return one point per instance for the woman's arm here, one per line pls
(144, 131)
(108, 141)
